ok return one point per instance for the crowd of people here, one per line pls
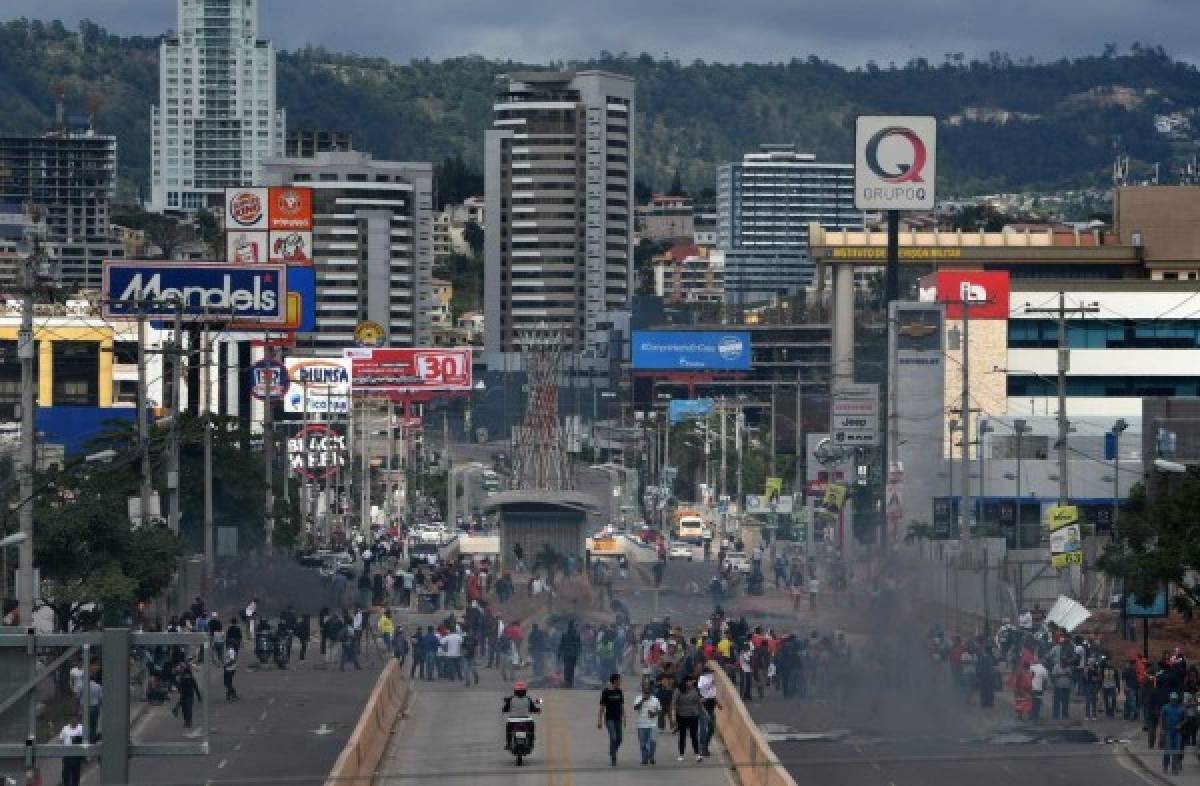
(1164, 694)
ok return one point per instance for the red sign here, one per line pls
(391, 371)
(985, 293)
(290, 209)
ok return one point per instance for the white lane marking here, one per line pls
(221, 764)
(263, 717)
(877, 767)
(237, 747)
(270, 701)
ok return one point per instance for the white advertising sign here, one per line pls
(246, 248)
(854, 415)
(294, 248)
(895, 162)
(317, 385)
(246, 208)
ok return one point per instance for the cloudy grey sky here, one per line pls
(845, 31)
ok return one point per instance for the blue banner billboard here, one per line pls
(684, 408)
(206, 291)
(691, 350)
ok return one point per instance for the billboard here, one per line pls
(246, 248)
(318, 385)
(268, 377)
(317, 450)
(854, 414)
(294, 248)
(895, 162)
(691, 350)
(206, 291)
(245, 208)
(301, 304)
(683, 409)
(392, 371)
(290, 209)
(985, 293)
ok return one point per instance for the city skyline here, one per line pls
(538, 31)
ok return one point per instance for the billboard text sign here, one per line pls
(318, 450)
(854, 414)
(389, 371)
(895, 162)
(318, 385)
(691, 350)
(203, 291)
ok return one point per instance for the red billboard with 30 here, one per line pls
(393, 371)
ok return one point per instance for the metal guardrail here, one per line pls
(114, 748)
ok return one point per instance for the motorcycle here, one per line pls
(264, 643)
(520, 734)
(283, 647)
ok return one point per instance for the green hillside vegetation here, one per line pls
(1011, 125)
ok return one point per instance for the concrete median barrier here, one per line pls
(749, 753)
(360, 758)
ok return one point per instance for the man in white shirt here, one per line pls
(706, 686)
(72, 766)
(1025, 620)
(1039, 678)
(453, 645)
(647, 709)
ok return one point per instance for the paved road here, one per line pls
(289, 727)
(452, 736)
(900, 728)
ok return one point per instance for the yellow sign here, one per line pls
(369, 334)
(774, 488)
(1063, 560)
(835, 497)
(1061, 516)
(604, 546)
(877, 252)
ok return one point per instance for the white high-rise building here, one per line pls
(559, 198)
(216, 119)
(765, 204)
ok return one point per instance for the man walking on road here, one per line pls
(1038, 678)
(611, 715)
(648, 710)
(568, 652)
(229, 671)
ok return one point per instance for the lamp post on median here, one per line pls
(1020, 429)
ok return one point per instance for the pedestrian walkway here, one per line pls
(453, 736)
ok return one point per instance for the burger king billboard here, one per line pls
(246, 209)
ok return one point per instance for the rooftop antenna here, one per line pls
(94, 102)
(1121, 171)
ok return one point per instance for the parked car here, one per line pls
(739, 561)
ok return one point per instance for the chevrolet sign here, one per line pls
(205, 291)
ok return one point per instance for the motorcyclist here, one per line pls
(518, 705)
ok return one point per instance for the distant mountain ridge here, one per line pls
(1006, 125)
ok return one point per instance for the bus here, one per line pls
(689, 526)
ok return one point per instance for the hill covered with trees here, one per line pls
(1005, 124)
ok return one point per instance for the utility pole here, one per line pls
(268, 441)
(771, 437)
(27, 457)
(210, 555)
(1064, 365)
(143, 416)
(965, 408)
(173, 484)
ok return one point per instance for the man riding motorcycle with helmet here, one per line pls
(518, 705)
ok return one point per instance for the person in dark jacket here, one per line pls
(303, 633)
(568, 652)
(233, 635)
(189, 692)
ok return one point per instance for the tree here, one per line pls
(89, 554)
(1157, 542)
(473, 234)
(166, 232)
(677, 184)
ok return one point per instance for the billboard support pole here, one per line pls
(891, 293)
(173, 484)
(143, 415)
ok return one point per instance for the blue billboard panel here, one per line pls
(685, 408)
(206, 291)
(691, 350)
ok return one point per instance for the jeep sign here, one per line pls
(205, 292)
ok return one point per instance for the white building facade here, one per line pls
(216, 120)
